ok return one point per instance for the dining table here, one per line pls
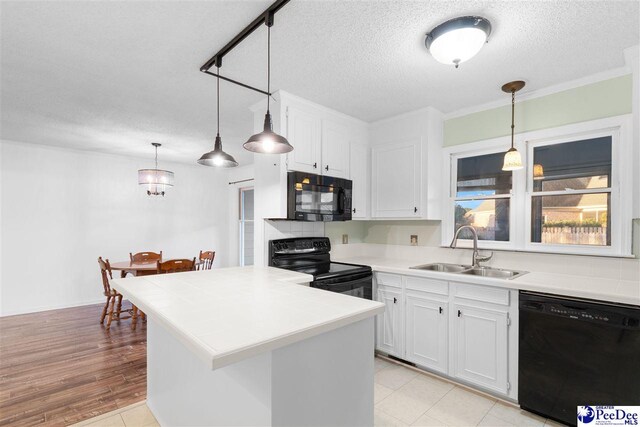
(136, 268)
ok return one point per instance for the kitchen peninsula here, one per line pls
(254, 346)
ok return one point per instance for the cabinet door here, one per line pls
(480, 351)
(303, 132)
(388, 324)
(396, 180)
(335, 149)
(426, 331)
(358, 161)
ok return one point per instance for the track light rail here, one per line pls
(265, 17)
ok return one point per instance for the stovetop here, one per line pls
(310, 255)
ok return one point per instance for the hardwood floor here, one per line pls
(60, 367)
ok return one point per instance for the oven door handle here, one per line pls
(349, 283)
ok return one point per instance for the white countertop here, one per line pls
(230, 314)
(602, 289)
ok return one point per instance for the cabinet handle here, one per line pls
(459, 313)
(395, 300)
(326, 168)
(440, 310)
(415, 210)
(315, 165)
(354, 210)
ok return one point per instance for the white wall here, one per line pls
(61, 209)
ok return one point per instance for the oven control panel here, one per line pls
(300, 245)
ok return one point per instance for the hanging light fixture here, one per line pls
(217, 157)
(267, 141)
(156, 180)
(538, 172)
(458, 40)
(512, 158)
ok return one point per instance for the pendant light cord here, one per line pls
(156, 156)
(268, 65)
(218, 99)
(513, 108)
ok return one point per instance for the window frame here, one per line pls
(621, 186)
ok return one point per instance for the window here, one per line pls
(571, 197)
(246, 226)
(575, 194)
(483, 197)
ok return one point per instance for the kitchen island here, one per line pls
(254, 346)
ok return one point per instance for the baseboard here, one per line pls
(6, 313)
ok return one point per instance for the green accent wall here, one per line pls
(598, 100)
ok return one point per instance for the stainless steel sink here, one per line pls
(493, 272)
(443, 267)
(499, 273)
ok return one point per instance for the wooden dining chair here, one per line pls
(176, 265)
(145, 256)
(113, 306)
(206, 260)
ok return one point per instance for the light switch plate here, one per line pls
(345, 239)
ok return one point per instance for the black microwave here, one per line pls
(318, 198)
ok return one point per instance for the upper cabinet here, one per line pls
(359, 175)
(406, 166)
(304, 133)
(336, 139)
(396, 173)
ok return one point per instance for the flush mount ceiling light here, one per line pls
(156, 180)
(217, 157)
(458, 40)
(266, 141)
(512, 158)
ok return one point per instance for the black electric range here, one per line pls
(311, 255)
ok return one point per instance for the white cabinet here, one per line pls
(389, 323)
(460, 330)
(303, 132)
(336, 139)
(358, 161)
(426, 331)
(480, 350)
(396, 174)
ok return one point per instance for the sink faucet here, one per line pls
(476, 257)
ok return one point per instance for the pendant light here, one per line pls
(512, 158)
(458, 40)
(217, 157)
(156, 180)
(267, 141)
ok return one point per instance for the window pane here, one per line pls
(490, 218)
(573, 165)
(482, 176)
(576, 219)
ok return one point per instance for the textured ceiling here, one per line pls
(114, 76)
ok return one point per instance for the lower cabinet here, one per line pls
(479, 347)
(426, 331)
(389, 323)
(456, 329)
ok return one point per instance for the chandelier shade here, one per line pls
(156, 180)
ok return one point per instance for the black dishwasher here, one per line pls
(576, 352)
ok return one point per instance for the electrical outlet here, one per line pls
(345, 239)
(414, 240)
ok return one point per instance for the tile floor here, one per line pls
(406, 397)
(403, 397)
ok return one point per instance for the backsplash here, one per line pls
(593, 267)
(287, 229)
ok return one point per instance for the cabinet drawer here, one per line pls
(388, 279)
(481, 293)
(425, 284)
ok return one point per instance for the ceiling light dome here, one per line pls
(458, 40)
